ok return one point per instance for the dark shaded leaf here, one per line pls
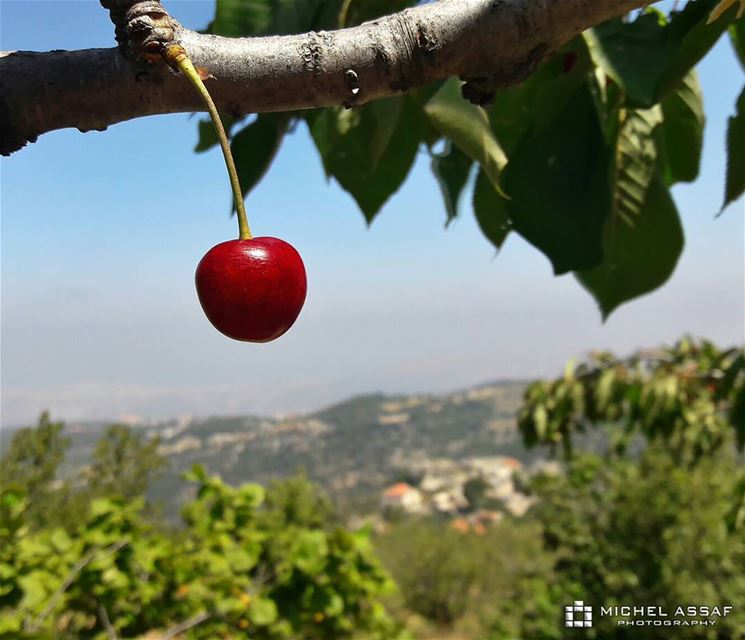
(682, 131)
(558, 184)
(273, 17)
(735, 184)
(640, 253)
(737, 416)
(490, 209)
(370, 149)
(255, 146)
(648, 57)
(534, 103)
(451, 169)
(363, 10)
(692, 37)
(467, 127)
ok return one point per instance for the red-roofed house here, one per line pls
(402, 496)
(512, 463)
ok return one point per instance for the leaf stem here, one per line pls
(343, 14)
(176, 57)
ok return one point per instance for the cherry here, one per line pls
(252, 290)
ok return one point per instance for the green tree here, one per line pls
(31, 464)
(124, 462)
(690, 396)
(456, 581)
(659, 517)
(297, 502)
(642, 531)
(231, 572)
(474, 491)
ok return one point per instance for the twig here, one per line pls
(76, 569)
(104, 616)
(185, 625)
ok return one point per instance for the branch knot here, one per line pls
(143, 27)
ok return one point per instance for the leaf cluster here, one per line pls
(691, 396)
(578, 160)
(248, 562)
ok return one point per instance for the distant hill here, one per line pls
(353, 449)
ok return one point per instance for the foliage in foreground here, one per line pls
(578, 160)
(248, 563)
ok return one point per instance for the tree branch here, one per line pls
(34, 625)
(488, 43)
(106, 622)
(180, 628)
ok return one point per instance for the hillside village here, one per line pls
(455, 455)
(474, 492)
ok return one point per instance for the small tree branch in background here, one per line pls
(185, 625)
(71, 577)
(104, 616)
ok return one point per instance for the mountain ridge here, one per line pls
(353, 449)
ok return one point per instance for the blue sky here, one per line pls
(100, 317)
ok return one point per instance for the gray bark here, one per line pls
(488, 43)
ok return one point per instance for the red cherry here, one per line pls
(252, 290)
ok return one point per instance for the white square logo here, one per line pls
(578, 615)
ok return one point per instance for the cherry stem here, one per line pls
(175, 56)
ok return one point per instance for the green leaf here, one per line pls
(309, 551)
(235, 18)
(540, 421)
(682, 131)
(451, 169)
(36, 585)
(370, 149)
(490, 209)
(253, 494)
(640, 253)
(60, 540)
(101, 506)
(197, 473)
(262, 612)
(227, 606)
(335, 606)
(691, 37)
(636, 161)
(737, 37)
(467, 126)
(558, 184)
(735, 184)
(273, 17)
(648, 57)
(255, 146)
